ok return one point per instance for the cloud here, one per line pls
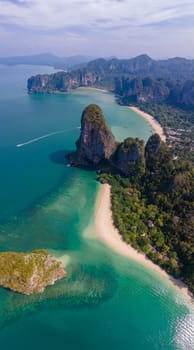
(21, 3)
(56, 13)
(105, 21)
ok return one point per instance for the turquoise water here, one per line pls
(107, 301)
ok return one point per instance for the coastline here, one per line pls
(92, 88)
(108, 234)
(155, 125)
(153, 122)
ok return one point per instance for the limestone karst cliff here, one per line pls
(96, 147)
(156, 152)
(129, 156)
(62, 81)
(96, 142)
(137, 80)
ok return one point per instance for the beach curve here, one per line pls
(154, 123)
(109, 235)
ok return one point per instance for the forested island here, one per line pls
(29, 273)
(152, 192)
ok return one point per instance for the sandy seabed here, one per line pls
(107, 233)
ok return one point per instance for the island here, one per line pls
(29, 273)
(151, 192)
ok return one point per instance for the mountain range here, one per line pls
(135, 80)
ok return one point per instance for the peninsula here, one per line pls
(151, 192)
(29, 273)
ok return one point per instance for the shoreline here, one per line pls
(153, 122)
(92, 88)
(109, 234)
(155, 125)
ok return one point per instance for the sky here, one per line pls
(99, 28)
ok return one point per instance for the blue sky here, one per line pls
(123, 28)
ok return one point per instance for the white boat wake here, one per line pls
(45, 136)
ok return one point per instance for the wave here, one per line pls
(45, 136)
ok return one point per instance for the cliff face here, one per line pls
(96, 146)
(48, 83)
(129, 157)
(140, 90)
(135, 80)
(158, 90)
(156, 152)
(96, 143)
(96, 72)
(61, 81)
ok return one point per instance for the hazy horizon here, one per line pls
(121, 28)
(94, 57)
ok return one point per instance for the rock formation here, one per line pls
(136, 80)
(62, 81)
(156, 152)
(129, 157)
(29, 273)
(96, 143)
(96, 147)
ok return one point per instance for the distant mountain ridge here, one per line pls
(47, 59)
(136, 80)
(180, 68)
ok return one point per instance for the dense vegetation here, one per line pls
(154, 211)
(155, 89)
(29, 273)
(170, 102)
(178, 127)
(93, 114)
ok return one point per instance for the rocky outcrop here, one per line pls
(138, 90)
(156, 153)
(61, 81)
(96, 147)
(96, 143)
(29, 273)
(157, 90)
(95, 73)
(129, 157)
(51, 83)
(137, 80)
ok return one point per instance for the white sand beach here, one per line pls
(91, 88)
(155, 125)
(108, 234)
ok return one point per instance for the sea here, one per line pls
(107, 301)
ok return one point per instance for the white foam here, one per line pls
(45, 136)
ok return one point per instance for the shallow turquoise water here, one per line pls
(106, 301)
